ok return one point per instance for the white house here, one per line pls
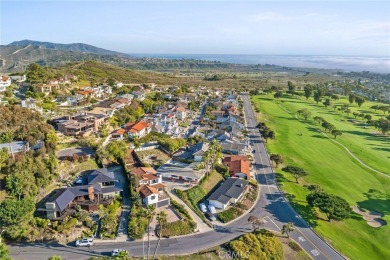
(139, 129)
(4, 83)
(230, 191)
(30, 103)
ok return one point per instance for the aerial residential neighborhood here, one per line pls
(172, 130)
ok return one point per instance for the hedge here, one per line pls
(229, 214)
(69, 224)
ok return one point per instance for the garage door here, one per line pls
(163, 203)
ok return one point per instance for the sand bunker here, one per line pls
(373, 218)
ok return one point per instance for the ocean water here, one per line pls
(345, 63)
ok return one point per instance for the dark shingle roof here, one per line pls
(99, 176)
(231, 188)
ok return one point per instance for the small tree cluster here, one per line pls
(328, 126)
(265, 131)
(335, 207)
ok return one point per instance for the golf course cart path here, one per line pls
(336, 142)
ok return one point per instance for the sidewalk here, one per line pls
(201, 226)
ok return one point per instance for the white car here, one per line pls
(116, 252)
(212, 209)
(203, 207)
(84, 242)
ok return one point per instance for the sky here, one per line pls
(358, 28)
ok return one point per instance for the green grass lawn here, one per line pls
(330, 166)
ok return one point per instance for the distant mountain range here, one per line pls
(16, 56)
(76, 47)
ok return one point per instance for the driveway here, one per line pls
(120, 175)
(78, 150)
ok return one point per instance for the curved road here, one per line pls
(271, 206)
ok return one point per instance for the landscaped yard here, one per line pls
(331, 167)
(153, 157)
(194, 195)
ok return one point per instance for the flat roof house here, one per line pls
(230, 191)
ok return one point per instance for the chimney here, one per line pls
(91, 193)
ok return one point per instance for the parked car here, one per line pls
(254, 151)
(84, 242)
(210, 216)
(212, 209)
(202, 207)
(116, 252)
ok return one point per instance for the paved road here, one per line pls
(196, 122)
(271, 206)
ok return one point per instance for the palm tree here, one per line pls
(287, 228)
(212, 154)
(149, 214)
(162, 221)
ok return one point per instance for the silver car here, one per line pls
(84, 242)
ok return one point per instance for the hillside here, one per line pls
(75, 47)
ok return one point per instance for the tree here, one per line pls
(327, 102)
(278, 94)
(335, 97)
(383, 125)
(305, 113)
(336, 133)
(368, 117)
(287, 228)
(149, 214)
(3, 157)
(351, 98)
(162, 221)
(333, 206)
(318, 119)
(15, 215)
(375, 107)
(317, 96)
(360, 100)
(308, 91)
(256, 222)
(276, 158)
(4, 252)
(355, 114)
(291, 88)
(212, 154)
(295, 171)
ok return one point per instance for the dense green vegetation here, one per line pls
(300, 143)
(260, 245)
(229, 214)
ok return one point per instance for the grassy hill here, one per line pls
(76, 47)
(331, 167)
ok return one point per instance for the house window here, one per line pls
(153, 197)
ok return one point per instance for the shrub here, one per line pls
(178, 228)
(259, 246)
(136, 227)
(67, 225)
(229, 214)
(294, 246)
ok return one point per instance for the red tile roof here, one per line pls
(239, 166)
(120, 131)
(229, 159)
(136, 127)
(147, 190)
